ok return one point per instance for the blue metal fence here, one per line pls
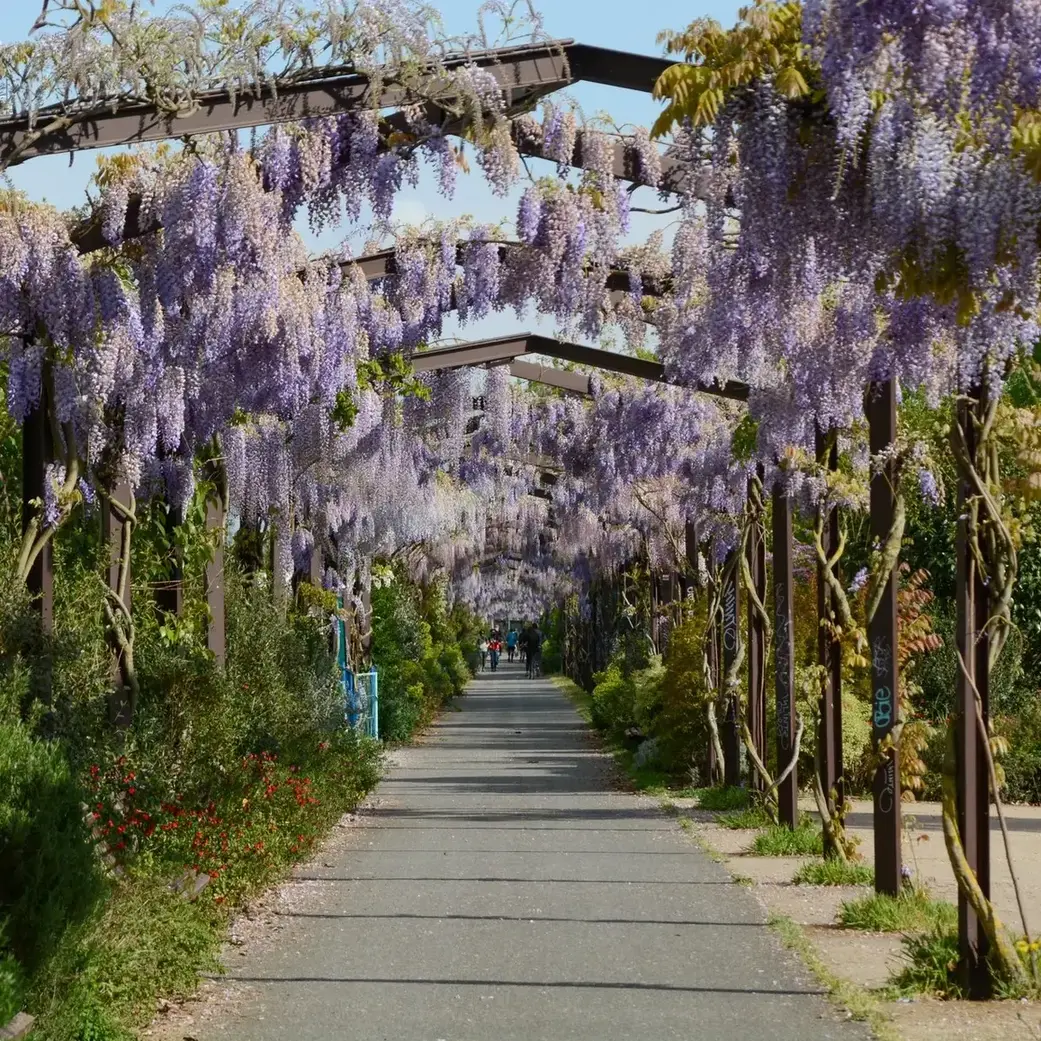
(361, 691)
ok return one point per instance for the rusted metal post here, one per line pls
(784, 655)
(731, 635)
(882, 635)
(365, 622)
(829, 649)
(216, 641)
(37, 451)
(756, 551)
(971, 775)
(169, 596)
(113, 534)
(655, 594)
(690, 548)
(715, 657)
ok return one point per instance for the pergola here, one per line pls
(527, 74)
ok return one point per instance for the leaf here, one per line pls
(790, 82)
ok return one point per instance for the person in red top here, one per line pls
(495, 649)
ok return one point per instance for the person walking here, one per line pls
(511, 644)
(483, 645)
(522, 644)
(495, 649)
(534, 651)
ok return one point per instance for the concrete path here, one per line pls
(502, 891)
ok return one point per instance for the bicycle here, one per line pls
(534, 665)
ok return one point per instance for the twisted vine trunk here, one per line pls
(989, 570)
(120, 507)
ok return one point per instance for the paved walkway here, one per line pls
(502, 891)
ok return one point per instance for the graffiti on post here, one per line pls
(730, 630)
(782, 659)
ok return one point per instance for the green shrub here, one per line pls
(681, 724)
(613, 701)
(1022, 762)
(49, 876)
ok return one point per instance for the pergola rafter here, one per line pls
(525, 74)
(509, 349)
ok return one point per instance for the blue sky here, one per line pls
(620, 24)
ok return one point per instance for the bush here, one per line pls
(49, 876)
(613, 701)
(425, 654)
(1022, 762)
(681, 725)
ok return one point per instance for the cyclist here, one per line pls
(534, 651)
(522, 643)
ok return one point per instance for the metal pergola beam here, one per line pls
(510, 348)
(533, 67)
(525, 74)
(575, 382)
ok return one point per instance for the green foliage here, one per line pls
(391, 375)
(1021, 762)
(911, 911)
(613, 699)
(627, 701)
(681, 725)
(834, 872)
(766, 43)
(932, 960)
(425, 654)
(236, 772)
(780, 841)
(48, 872)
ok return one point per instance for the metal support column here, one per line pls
(731, 633)
(756, 551)
(37, 450)
(882, 635)
(216, 641)
(784, 655)
(973, 782)
(829, 649)
(113, 533)
(169, 596)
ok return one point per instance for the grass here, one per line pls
(931, 968)
(913, 911)
(932, 958)
(781, 841)
(721, 800)
(861, 1004)
(833, 872)
(753, 817)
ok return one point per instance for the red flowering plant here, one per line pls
(119, 811)
(269, 814)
